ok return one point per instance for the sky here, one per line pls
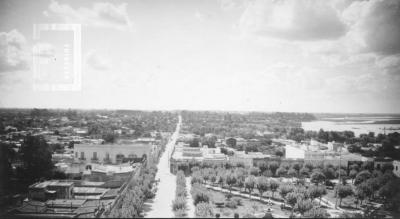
(340, 56)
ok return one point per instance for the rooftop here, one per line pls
(112, 168)
(51, 183)
(65, 203)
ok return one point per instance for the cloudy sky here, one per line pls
(282, 55)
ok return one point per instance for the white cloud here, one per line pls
(201, 16)
(300, 20)
(100, 15)
(98, 61)
(12, 55)
(375, 26)
(227, 5)
(373, 36)
(390, 65)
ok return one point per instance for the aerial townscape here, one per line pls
(123, 163)
(200, 109)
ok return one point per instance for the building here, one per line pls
(103, 173)
(251, 158)
(380, 162)
(51, 189)
(293, 152)
(334, 146)
(183, 154)
(111, 153)
(396, 168)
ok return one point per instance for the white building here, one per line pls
(111, 153)
(293, 152)
(183, 152)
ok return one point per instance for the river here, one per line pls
(359, 125)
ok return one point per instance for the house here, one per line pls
(51, 189)
(380, 162)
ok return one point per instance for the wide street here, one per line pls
(161, 205)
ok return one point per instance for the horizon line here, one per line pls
(195, 110)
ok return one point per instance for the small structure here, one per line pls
(380, 162)
(51, 189)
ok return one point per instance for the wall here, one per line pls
(137, 149)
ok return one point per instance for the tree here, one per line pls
(249, 183)
(303, 205)
(204, 210)
(353, 173)
(313, 191)
(317, 177)
(273, 166)
(109, 137)
(305, 172)
(262, 185)
(281, 171)
(195, 142)
(391, 193)
(362, 176)
(255, 171)
(387, 167)
(322, 191)
(206, 173)
(240, 176)
(362, 191)
(230, 180)
(199, 194)
(316, 213)
(263, 166)
(196, 177)
(343, 192)
(284, 189)
(268, 173)
(36, 157)
(291, 199)
(292, 172)
(329, 173)
(7, 155)
(274, 185)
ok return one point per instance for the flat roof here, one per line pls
(89, 190)
(112, 168)
(89, 183)
(44, 184)
(65, 203)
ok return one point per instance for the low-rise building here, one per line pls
(111, 153)
(184, 154)
(380, 162)
(51, 189)
(293, 152)
(251, 158)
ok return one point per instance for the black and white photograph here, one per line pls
(200, 109)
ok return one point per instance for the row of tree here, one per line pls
(179, 205)
(296, 195)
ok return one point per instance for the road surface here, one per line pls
(189, 198)
(161, 205)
